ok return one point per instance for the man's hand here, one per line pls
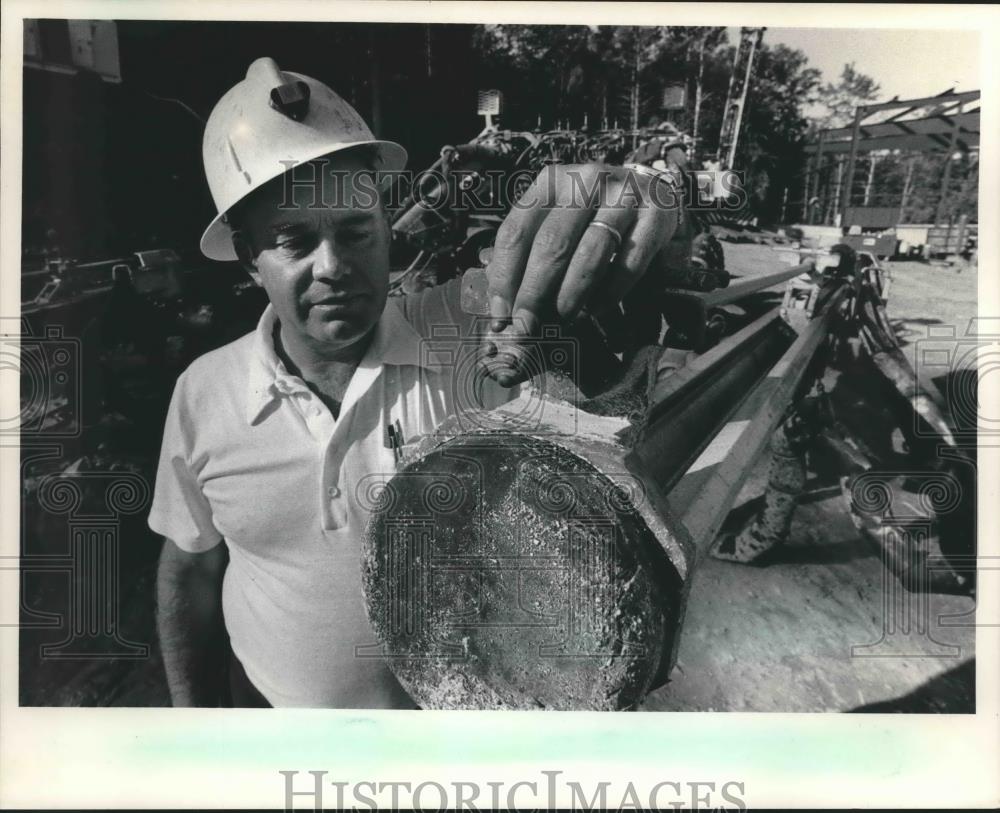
(551, 261)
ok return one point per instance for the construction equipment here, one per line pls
(456, 206)
(736, 97)
(540, 555)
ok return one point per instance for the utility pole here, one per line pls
(739, 85)
(835, 201)
(805, 191)
(872, 161)
(637, 31)
(907, 187)
(698, 93)
(820, 185)
(428, 52)
(946, 177)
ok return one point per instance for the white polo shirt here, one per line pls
(252, 457)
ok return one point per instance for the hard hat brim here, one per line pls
(217, 241)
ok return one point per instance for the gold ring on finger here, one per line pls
(610, 229)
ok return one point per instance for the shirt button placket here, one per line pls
(335, 503)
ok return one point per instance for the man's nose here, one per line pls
(327, 262)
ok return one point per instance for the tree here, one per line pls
(841, 98)
(635, 50)
(542, 70)
(620, 72)
(839, 101)
(705, 41)
(608, 73)
(771, 149)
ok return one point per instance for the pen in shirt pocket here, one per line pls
(394, 439)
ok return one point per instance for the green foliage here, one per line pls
(775, 130)
(619, 74)
(841, 98)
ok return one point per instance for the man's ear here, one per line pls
(244, 254)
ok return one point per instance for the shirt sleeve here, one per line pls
(180, 510)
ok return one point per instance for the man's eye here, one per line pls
(356, 235)
(295, 246)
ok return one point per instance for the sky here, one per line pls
(909, 63)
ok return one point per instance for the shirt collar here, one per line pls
(395, 342)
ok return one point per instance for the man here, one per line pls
(269, 440)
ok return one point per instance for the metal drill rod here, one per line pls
(744, 287)
(690, 406)
(690, 311)
(549, 513)
(707, 492)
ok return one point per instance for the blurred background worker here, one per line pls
(693, 259)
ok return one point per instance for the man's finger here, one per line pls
(511, 360)
(551, 253)
(603, 238)
(579, 192)
(652, 231)
(511, 251)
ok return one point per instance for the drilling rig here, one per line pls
(736, 97)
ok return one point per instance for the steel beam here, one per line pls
(855, 135)
(946, 98)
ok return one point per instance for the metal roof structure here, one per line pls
(948, 122)
(918, 125)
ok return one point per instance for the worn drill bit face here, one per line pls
(504, 571)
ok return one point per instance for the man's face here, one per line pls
(325, 268)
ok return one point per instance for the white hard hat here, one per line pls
(269, 123)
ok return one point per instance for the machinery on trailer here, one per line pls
(541, 554)
(454, 208)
